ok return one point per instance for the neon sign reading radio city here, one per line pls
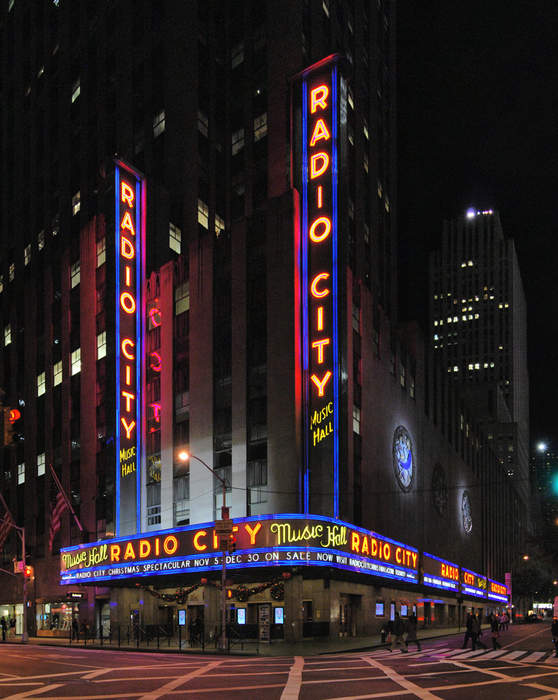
(320, 277)
(129, 241)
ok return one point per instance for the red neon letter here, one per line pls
(155, 316)
(128, 303)
(320, 318)
(156, 411)
(127, 343)
(127, 223)
(128, 428)
(128, 398)
(318, 98)
(320, 221)
(320, 132)
(156, 363)
(320, 196)
(170, 544)
(320, 345)
(321, 384)
(319, 293)
(318, 169)
(127, 194)
(126, 248)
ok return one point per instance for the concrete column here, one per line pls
(293, 609)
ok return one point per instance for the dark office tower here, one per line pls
(198, 306)
(479, 332)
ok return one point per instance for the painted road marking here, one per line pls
(535, 656)
(292, 686)
(402, 681)
(494, 654)
(171, 685)
(512, 655)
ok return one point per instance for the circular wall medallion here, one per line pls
(466, 512)
(403, 460)
(439, 490)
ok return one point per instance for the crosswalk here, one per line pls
(442, 653)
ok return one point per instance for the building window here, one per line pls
(203, 214)
(57, 373)
(237, 55)
(7, 334)
(11, 4)
(41, 240)
(237, 141)
(41, 462)
(260, 127)
(356, 420)
(159, 123)
(219, 225)
(11, 272)
(203, 123)
(74, 274)
(101, 252)
(76, 89)
(21, 473)
(76, 361)
(154, 504)
(175, 238)
(27, 254)
(102, 345)
(76, 203)
(325, 7)
(41, 383)
(182, 298)
(182, 500)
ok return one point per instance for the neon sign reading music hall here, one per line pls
(320, 279)
(130, 266)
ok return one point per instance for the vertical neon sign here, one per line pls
(129, 308)
(319, 285)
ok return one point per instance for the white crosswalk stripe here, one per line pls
(494, 654)
(535, 656)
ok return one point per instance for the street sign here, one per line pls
(18, 566)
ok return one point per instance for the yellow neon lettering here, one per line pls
(320, 345)
(319, 163)
(127, 194)
(318, 96)
(321, 383)
(324, 221)
(127, 250)
(128, 303)
(126, 343)
(128, 427)
(127, 223)
(319, 293)
(129, 398)
(320, 132)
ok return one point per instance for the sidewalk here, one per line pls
(308, 647)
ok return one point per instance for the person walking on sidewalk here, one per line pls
(554, 631)
(412, 632)
(477, 633)
(495, 631)
(468, 631)
(4, 626)
(397, 634)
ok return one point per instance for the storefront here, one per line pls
(54, 619)
(13, 614)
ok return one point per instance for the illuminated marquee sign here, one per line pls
(130, 268)
(320, 277)
(473, 584)
(280, 540)
(497, 591)
(438, 573)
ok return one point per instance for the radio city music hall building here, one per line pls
(225, 286)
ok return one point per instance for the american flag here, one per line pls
(58, 508)
(5, 527)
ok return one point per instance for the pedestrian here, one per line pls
(477, 633)
(506, 620)
(75, 628)
(495, 626)
(468, 631)
(412, 632)
(554, 630)
(398, 632)
(4, 626)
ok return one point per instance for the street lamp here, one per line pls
(183, 456)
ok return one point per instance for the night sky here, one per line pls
(478, 116)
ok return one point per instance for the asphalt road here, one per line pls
(523, 668)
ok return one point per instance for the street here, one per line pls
(523, 668)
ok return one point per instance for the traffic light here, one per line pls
(232, 543)
(28, 572)
(10, 417)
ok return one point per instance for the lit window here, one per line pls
(237, 55)
(379, 189)
(365, 162)
(57, 373)
(365, 130)
(7, 334)
(175, 238)
(101, 252)
(158, 123)
(182, 298)
(260, 127)
(11, 272)
(350, 98)
(325, 7)
(455, 368)
(11, 3)
(75, 274)
(41, 463)
(41, 384)
(203, 214)
(102, 345)
(41, 240)
(76, 203)
(76, 361)
(219, 225)
(356, 420)
(237, 141)
(27, 254)
(21, 473)
(203, 123)
(76, 89)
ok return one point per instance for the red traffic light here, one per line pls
(28, 571)
(14, 415)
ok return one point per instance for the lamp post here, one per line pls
(184, 456)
